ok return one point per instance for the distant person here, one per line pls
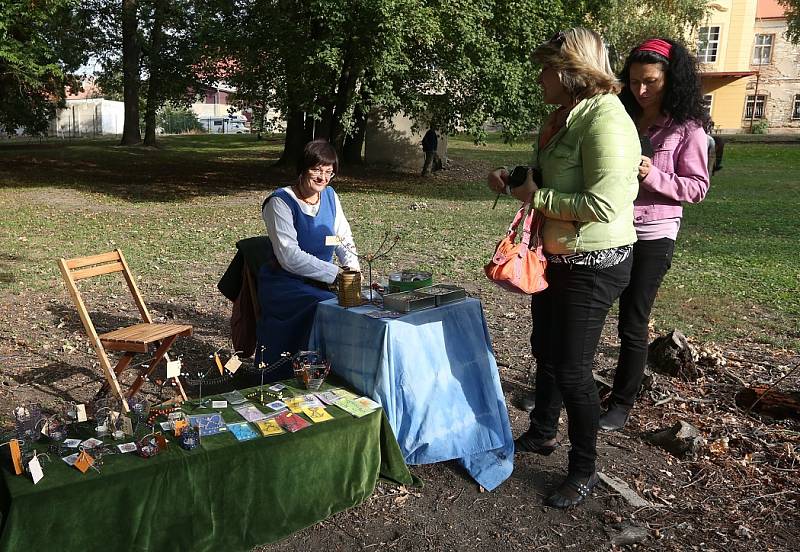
(719, 149)
(301, 219)
(430, 144)
(712, 147)
(661, 92)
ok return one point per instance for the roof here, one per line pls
(728, 74)
(769, 9)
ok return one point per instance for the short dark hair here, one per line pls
(318, 152)
(683, 96)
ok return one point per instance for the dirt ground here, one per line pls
(738, 491)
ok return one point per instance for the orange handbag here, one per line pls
(515, 266)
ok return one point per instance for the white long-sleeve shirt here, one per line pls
(278, 218)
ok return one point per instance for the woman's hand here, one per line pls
(644, 167)
(526, 190)
(498, 180)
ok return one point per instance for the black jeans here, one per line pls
(651, 261)
(568, 319)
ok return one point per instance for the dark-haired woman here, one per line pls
(663, 96)
(306, 226)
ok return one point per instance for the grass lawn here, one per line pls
(177, 211)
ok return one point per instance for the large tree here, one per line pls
(792, 8)
(41, 44)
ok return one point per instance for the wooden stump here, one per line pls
(673, 355)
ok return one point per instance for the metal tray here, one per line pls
(445, 293)
(407, 301)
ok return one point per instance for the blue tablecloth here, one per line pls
(434, 373)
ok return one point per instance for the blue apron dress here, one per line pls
(287, 301)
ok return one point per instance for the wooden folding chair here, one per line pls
(129, 340)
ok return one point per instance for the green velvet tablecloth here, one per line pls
(225, 495)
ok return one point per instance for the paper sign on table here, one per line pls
(310, 400)
(249, 412)
(277, 405)
(344, 393)
(80, 410)
(167, 426)
(233, 364)
(16, 456)
(291, 422)
(317, 413)
(219, 404)
(91, 443)
(173, 368)
(70, 460)
(328, 397)
(234, 397)
(366, 402)
(125, 447)
(72, 443)
(294, 404)
(277, 387)
(243, 431)
(35, 469)
(269, 427)
(352, 407)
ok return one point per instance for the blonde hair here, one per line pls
(580, 58)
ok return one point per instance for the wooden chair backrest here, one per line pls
(80, 268)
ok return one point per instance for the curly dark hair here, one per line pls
(683, 96)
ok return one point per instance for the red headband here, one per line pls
(661, 47)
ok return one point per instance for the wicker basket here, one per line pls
(310, 369)
(350, 288)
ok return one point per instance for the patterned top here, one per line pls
(599, 259)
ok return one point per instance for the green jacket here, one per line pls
(589, 171)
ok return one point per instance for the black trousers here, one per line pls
(568, 319)
(651, 261)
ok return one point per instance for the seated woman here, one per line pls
(303, 222)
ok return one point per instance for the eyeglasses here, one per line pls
(322, 173)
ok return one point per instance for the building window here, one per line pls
(708, 100)
(796, 107)
(755, 103)
(707, 44)
(762, 52)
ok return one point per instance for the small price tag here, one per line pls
(84, 461)
(127, 426)
(332, 240)
(35, 468)
(219, 404)
(80, 410)
(219, 364)
(173, 368)
(233, 364)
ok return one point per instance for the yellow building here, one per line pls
(749, 71)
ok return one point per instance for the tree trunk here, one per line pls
(295, 140)
(345, 91)
(130, 72)
(154, 84)
(354, 145)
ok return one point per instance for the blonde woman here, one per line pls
(588, 154)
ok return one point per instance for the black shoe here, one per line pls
(572, 491)
(525, 443)
(527, 401)
(614, 418)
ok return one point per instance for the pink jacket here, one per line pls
(679, 172)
